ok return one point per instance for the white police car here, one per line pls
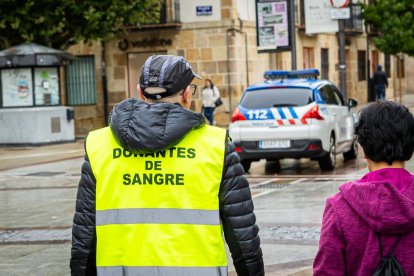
(292, 114)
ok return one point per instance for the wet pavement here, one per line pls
(38, 187)
(38, 202)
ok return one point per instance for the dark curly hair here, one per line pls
(385, 130)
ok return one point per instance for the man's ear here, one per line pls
(140, 92)
(187, 95)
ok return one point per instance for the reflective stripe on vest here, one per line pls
(161, 271)
(159, 213)
(161, 216)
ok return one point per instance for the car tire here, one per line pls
(272, 167)
(353, 152)
(328, 161)
(246, 164)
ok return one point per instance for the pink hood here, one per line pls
(382, 201)
(379, 199)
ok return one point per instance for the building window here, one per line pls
(325, 63)
(302, 14)
(400, 67)
(308, 58)
(81, 81)
(387, 65)
(362, 66)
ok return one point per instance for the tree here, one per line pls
(394, 20)
(61, 23)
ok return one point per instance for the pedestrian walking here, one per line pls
(209, 95)
(372, 219)
(159, 188)
(380, 82)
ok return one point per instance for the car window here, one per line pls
(328, 95)
(277, 97)
(338, 95)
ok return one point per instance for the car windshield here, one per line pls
(277, 97)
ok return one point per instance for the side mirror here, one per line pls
(352, 103)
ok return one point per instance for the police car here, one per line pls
(293, 114)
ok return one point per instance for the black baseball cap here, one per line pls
(165, 75)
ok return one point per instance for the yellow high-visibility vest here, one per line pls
(158, 213)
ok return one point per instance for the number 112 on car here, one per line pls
(258, 114)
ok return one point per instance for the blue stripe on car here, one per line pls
(292, 111)
(281, 113)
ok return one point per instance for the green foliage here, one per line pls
(61, 23)
(394, 20)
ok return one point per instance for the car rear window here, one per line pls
(277, 97)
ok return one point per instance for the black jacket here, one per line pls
(380, 78)
(142, 127)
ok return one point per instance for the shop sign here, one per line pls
(343, 13)
(124, 44)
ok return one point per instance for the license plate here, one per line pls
(274, 144)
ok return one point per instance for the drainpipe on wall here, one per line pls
(228, 71)
(368, 57)
(229, 32)
(104, 84)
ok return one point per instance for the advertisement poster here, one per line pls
(272, 25)
(17, 87)
(46, 86)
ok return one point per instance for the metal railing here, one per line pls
(355, 23)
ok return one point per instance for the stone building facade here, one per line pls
(221, 46)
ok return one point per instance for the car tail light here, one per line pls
(313, 113)
(239, 149)
(314, 147)
(237, 116)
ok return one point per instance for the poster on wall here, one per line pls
(46, 86)
(272, 21)
(17, 87)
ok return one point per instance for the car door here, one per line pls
(348, 117)
(342, 114)
(333, 110)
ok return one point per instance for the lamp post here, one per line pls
(342, 59)
(293, 33)
(341, 4)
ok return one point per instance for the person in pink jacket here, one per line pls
(380, 204)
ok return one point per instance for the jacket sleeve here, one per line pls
(83, 253)
(239, 221)
(330, 259)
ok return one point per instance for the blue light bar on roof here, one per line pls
(306, 73)
(275, 74)
(294, 74)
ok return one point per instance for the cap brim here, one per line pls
(197, 76)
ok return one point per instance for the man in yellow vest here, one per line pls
(159, 188)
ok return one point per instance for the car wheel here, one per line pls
(353, 152)
(246, 164)
(272, 167)
(328, 161)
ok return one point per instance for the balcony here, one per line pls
(354, 25)
(169, 18)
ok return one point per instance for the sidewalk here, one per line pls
(15, 157)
